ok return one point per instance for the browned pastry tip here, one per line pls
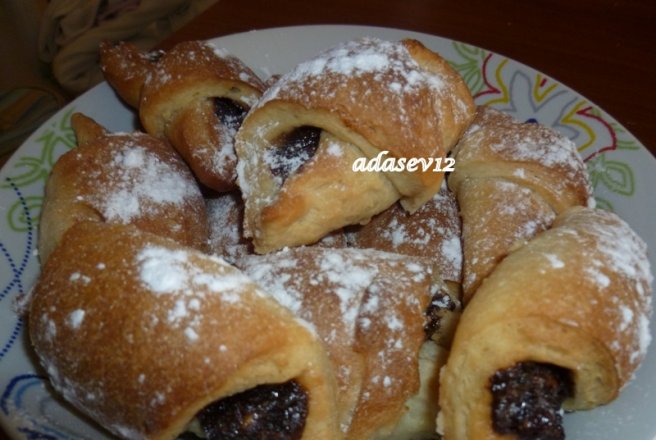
(126, 67)
(86, 129)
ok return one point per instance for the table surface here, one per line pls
(603, 49)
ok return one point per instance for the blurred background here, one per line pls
(49, 51)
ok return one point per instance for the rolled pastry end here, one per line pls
(367, 100)
(148, 337)
(567, 312)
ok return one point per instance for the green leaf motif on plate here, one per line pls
(17, 217)
(614, 175)
(471, 65)
(54, 141)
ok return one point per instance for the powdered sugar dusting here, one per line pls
(618, 266)
(365, 56)
(225, 217)
(368, 300)
(171, 273)
(508, 139)
(140, 182)
(433, 232)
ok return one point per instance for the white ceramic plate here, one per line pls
(623, 173)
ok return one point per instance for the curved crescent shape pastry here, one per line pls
(121, 178)
(195, 95)
(577, 299)
(370, 309)
(511, 179)
(146, 336)
(298, 145)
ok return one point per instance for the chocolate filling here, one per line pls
(293, 150)
(440, 303)
(526, 400)
(266, 412)
(229, 113)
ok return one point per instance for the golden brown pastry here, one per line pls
(225, 215)
(433, 232)
(562, 320)
(362, 99)
(195, 95)
(121, 178)
(126, 68)
(150, 339)
(377, 314)
(511, 179)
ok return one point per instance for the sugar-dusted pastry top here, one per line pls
(360, 99)
(142, 333)
(369, 308)
(433, 232)
(568, 311)
(523, 152)
(406, 90)
(122, 178)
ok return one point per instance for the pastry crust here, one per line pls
(126, 68)
(366, 96)
(121, 178)
(369, 309)
(432, 232)
(577, 296)
(511, 179)
(176, 99)
(141, 333)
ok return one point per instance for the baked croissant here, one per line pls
(365, 98)
(511, 179)
(432, 232)
(152, 339)
(562, 320)
(194, 95)
(121, 178)
(380, 316)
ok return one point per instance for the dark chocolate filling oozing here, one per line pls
(229, 113)
(526, 400)
(440, 303)
(292, 150)
(266, 412)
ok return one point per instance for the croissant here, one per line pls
(152, 339)
(511, 179)
(380, 316)
(562, 320)
(360, 100)
(121, 178)
(432, 232)
(194, 95)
